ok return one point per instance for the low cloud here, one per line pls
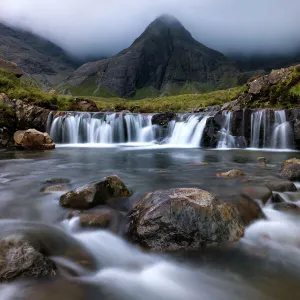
(101, 27)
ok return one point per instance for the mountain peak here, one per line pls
(168, 19)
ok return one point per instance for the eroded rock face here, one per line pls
(169, 220)
(95, 193)
(21, 259)
(80, 104)
(163, 119)
(291, 172)
(32, 139)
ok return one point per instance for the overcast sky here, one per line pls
(96, 27)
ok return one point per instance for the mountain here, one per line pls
(40, 59)
(266, 62)
(165, 59)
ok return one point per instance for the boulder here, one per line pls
(291, 161)
(286, 197)
(185, 218)
(262, 161)
(21, 259)
(277, 198)
(231, 174)
(256, 86)
(55, 188)
(258, 193)
(291, 172)
(79, 104)
(281, 186)
(104, 218)
(163, 119)
(32, 139)
(95, 193)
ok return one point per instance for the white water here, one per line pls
(268, 130)
(107, 129)
(263, 135)
(282, 132)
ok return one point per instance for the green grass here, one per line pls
(180, 103)
(285, 94)
(30, 92)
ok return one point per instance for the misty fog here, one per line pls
(101, 27)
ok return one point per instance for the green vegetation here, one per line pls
(284, 94)
(30, 92)
(178, 103)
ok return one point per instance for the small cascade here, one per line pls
(226, 138)
(226, 130)
(188, 130)
(270, 129)
(282, 133)
(101, 128)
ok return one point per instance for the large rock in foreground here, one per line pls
(291, 172)
(32, 139)
(169, 220)
(21, 259)
(95, 193)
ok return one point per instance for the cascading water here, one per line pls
(269, 129)
(282, 133)
(98, 128)
(188, 131)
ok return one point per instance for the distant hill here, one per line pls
(35, 56)
(164, 60)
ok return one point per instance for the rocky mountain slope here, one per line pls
(165, 59)
(39, 58)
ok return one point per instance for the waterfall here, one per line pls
(188, 130)
(269, 129)
(282, 133)
(100, 128)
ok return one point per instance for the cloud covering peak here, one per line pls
(101, 27)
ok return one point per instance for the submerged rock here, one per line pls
(32, 139)
(57, 181)
(55, 188)
(258, 193)
(231, 174)
(21, 259)
(262, 161)
(291, 172)
(186, 218)
(282, 186)
(95, 193)
(104, 218)
(291, 161)
(286, 207)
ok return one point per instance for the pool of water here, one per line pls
(251, 269)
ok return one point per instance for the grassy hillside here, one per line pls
(18, 88)
(178, 103)
(284, 94)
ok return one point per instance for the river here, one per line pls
(254, 268)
